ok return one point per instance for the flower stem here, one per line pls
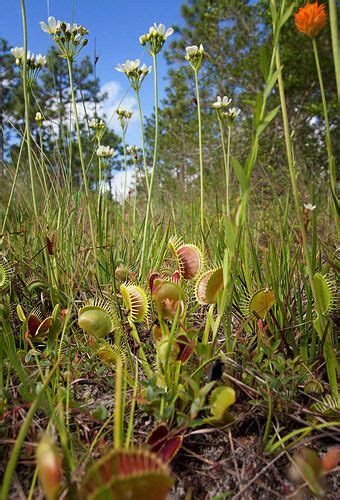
(135, 195)
(226, 161)
(27, 107)
(328, 130)
(69, 65)
(13, 182)
(143, 141)
(125, 177)
(154, 163)
(200, 154)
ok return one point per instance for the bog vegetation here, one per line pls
(188, 327)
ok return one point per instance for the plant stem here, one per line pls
(155, 154)
(69, 65)
(125, 177)
(14, 182)
(43, 166)
(135, 195)
(328, 130)
(27, 107)
(225, 163)
(200, 154)
(143, 142)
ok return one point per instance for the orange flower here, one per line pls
(311, 18)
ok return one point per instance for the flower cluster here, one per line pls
(155, 39)
(133, 151)
(105, 152)
(96, 124)
(311, 18)
(70, 38)
(195, 55)
(309, 207)
(34, 62)
(231, 114)
(221, 102)
(39, 119)
(123, 116)
(134, 72)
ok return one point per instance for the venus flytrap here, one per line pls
(153, 42)
(195, 56)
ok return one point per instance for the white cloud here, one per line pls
(116, 97)
(118, 183)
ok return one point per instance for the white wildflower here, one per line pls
(231, 114)
(96, 124)
(155, 38)
(309, 207)
(105, 152)
(194, 54)
(40, 60)
(18, 52)
(51, 26)
(128, 67)
(221, 102)
(38, 117)
(134, 72)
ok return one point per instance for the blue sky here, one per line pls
(116, 26)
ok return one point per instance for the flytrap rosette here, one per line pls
(123, 474)
(208, 286)
(189, 258)
(135, 301)
(97, 317)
